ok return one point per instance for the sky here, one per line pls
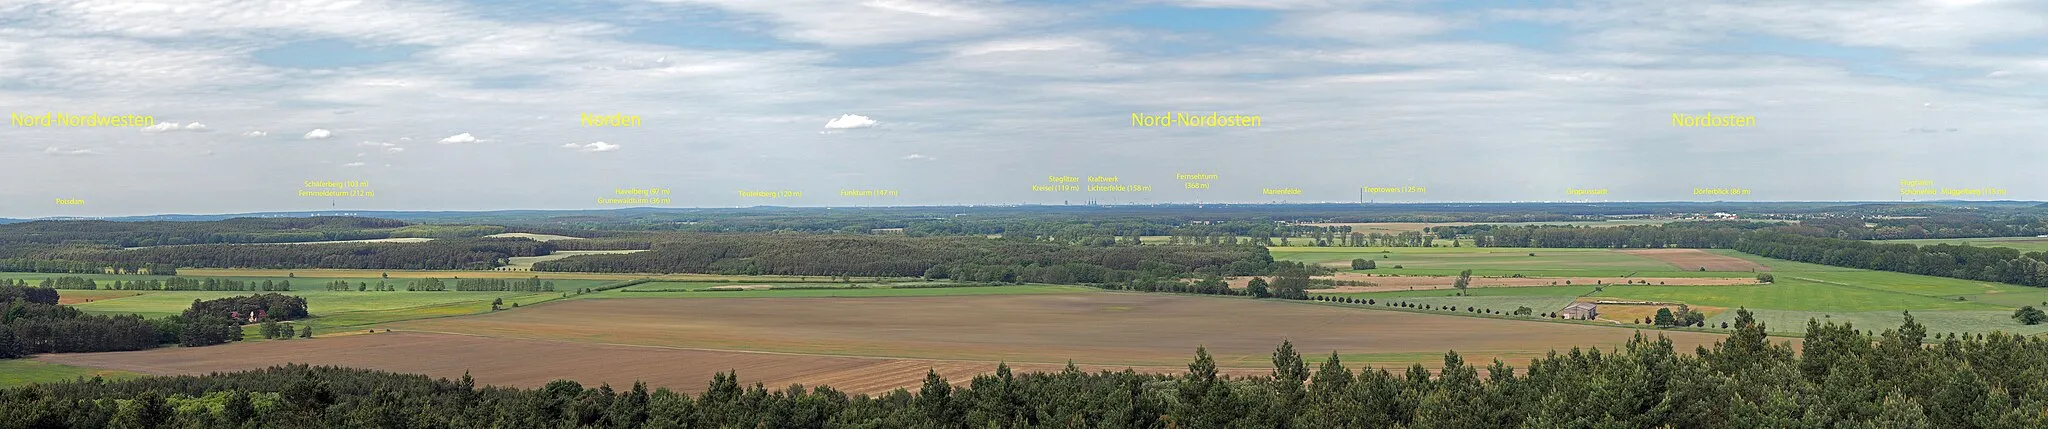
(449, 105)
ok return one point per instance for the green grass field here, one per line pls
(2024, 244)
(320, 303)
(16, 372)
(846, 292)
(1868, 298)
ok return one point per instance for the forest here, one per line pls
(1994, 264)
(442, 254)
(32, 322)
(269, 306)
(1842, 377)
(961, 258)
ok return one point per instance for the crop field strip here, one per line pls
(1100, 328)
(1801, 291)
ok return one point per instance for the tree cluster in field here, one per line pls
(443, 254)
(534, 284)
(1363, 264)
(19, 290)
(426, 285)
(173, 283)
(1290, 281)
(1685, 316)
(1994, 264)
(32, 322)
(270, 305)
(78, 283)
(1843, 378)
(972, 259)
(2029, 315)
(273, 330)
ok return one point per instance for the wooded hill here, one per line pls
(875, 255)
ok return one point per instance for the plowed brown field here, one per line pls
(1693, 259)
(1105, 328)
(877, 344)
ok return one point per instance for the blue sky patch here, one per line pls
(332, 53)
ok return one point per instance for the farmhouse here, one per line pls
(1581, 311)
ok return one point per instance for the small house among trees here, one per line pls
(1581, 311)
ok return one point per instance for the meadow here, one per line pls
(2024, 244)
(15, 372)
(1801, 291)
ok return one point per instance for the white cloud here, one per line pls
(376, 144)
(849, 121)
(255, 134)
(592, 147)
(318, 133)
(460, 138)
(1363, 26)
(394, 150)
(53, 150)
(877, 22)
(353, 164)
(165, 127)
(919, 157)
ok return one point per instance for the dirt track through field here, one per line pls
(1693, 259)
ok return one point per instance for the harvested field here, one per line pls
(1401, 283)
(1097, 328)
(534, 237)
(449, 356)
(526, 262)
(1693, 259)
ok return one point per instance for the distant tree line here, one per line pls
(1843, 378)
(1936, 226)
(957, 258)
(238, 230)
(1695, 235)
(229, 231)
(443, 254)
(534, 284)
(67, 266)
(1994, 264)
(173, 283)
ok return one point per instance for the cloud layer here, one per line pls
(1473, 101)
